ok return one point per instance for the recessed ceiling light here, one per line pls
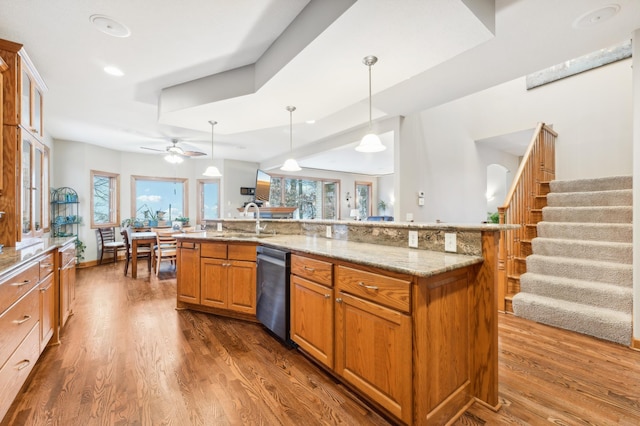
(596, 16)
(111, 70)
(109, 26)
(311, 121)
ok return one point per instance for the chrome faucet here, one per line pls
(257, 213)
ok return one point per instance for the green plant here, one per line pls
(80, 247)
(493, 217)
(382, 206)
(182, 219)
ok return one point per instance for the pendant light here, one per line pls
(291, 165)
(370, 142)
(212, 170)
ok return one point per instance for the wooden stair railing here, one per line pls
(523, 206)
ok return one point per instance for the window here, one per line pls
(105, 199)
(208, 199)
(363, 199)
(151, 195)
(314, 198)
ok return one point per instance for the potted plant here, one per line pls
(184, 220)
(382, 207)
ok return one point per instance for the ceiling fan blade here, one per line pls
(153, 149)
(193, 153)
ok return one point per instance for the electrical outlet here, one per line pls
(328, 231)
(219, 227)
(413, 239)
(450, 242)
(409, 217)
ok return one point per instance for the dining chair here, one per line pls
(108, 243)
(142, 251)
(166, 249)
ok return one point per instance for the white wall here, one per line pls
(636, 188)
(591, 112)
(386, 192)
(237, 174)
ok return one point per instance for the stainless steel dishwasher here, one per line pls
(272, 292)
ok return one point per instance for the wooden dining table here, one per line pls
(138, 239)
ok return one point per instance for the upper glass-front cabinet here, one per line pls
(31, 104)
(34, 178)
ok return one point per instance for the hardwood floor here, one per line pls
(128, 357)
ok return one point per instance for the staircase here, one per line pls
(579, 275)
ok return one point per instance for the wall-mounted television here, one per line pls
(263, 186)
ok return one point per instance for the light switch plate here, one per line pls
(328, 231)
(450, 242)
(219, 227)
(409, 217)
(413, 239)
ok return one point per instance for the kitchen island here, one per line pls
(413, 331)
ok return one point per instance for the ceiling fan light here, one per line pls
(173, 158)
(212, 171)
(175, 150)
(370, 143)
(291, 165)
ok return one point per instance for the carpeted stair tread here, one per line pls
(599, 214)
(613, 232)
(597, 184)
(603, 323)
(620, 197)
(594, 250)
(604, 295)
(606, 272)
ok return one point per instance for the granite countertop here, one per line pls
(422, 263)
(12, 258)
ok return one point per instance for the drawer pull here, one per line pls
(339, 300)
(48, 265)
(23, 364)
(23, 320)
(20, 284)
(327, 296)
(306, 268)
(368, 287)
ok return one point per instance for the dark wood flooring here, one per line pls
(129, 358)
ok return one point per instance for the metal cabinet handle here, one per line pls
(327, 296)
(368, 287)
(339, 300)
(47, 264)
(23, 320)
(23, 364)
(306, 268)
(20, 284)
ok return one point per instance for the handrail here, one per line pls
(522, 206)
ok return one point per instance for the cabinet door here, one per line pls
(188, 274)
(241, 281)
(47, 311)
(373, 352)
(65, 299)
(26, 186)
(312, 319)
(213, 282)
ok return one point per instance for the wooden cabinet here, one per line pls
(312, 316)
(67, 281)
(373, 340)
(25, 158)
(27, 322)
(217, 277)
(358, 323)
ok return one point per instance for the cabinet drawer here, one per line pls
(46, 265)
(67, 254)
(14, 373)
(16, 322)
(215, 250)
(312, 269)
(242, 252)
(16, 285)
(391, 292)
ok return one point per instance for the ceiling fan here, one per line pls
(177, 150)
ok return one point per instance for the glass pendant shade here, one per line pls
(173, 158)
(212, 171)
(370, 142)
(291, 165)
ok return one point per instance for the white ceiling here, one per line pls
(275, 53)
